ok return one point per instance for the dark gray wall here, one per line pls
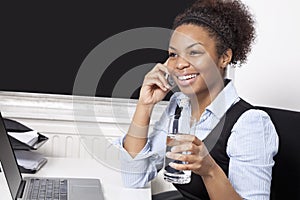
(45, 42)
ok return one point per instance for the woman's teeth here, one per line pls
(183, 78)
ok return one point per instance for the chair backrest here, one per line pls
(286, 171)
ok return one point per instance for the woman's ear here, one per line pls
(225, 58)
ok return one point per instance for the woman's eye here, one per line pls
(172, 55)
(195, 53)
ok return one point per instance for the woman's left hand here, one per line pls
(198, 159)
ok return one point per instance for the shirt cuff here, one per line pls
(144, 153)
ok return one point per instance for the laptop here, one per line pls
(30, 188)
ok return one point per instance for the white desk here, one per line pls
(67, 167)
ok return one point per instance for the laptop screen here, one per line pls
(8, 162)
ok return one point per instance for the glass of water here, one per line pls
(177, 125)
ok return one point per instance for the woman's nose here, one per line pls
(182, 63)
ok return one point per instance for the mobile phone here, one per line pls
(170, 80)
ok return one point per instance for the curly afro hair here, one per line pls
(228, 21)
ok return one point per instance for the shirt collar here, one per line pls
(224, 100)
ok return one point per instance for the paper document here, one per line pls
(30, 160)
(28, 137)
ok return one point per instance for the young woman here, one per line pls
(207, 37)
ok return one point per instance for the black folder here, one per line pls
(15, 126)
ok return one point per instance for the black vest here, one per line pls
(216, 143)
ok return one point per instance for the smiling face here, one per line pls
(193, 62)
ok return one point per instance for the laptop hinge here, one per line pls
(21, 189)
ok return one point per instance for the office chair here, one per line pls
(286, 171)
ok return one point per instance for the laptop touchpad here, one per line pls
(84, 191)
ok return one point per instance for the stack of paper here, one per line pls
(28, 137)
(31, 161)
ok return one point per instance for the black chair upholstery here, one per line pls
(286, 172)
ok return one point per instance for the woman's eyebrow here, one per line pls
(170, 47)
(190, 46)
(197, 43)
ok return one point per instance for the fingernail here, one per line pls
(172, 164)
(179, 137)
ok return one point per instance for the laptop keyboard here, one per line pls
(48, 189)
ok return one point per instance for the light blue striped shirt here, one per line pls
(251, 147)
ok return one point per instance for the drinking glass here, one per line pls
(177, 125)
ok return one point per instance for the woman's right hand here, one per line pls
(155, 86)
